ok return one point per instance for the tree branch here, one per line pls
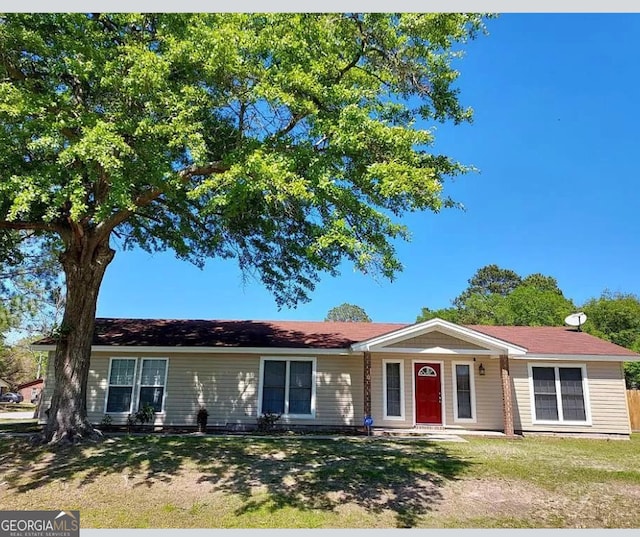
(208, 169)
(295, 119)
(104, 228)
(353, 63)
(15, 75)
(241, 113)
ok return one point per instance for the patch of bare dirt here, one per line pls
(490, 497)
(592, 506)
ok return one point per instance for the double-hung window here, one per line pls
(152, 382)
(559, 394)
(134, 382)
(288, 387)
(393, 389)
(464, 405)
(121, 381)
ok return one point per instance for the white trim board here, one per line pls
(435, 350)
(499, 346)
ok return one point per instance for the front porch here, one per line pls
(439, 378)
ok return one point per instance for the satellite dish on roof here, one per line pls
(576, 319)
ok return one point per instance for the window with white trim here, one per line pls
(393, 386)
(464, 408)
(121, 381)
(288, 387)
(152, 383)
(559, 393)
(133, 380)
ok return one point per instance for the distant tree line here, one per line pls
(31, 302)
(498, 296)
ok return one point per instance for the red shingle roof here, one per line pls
(217, 333)
(553, 340)
(322, 335)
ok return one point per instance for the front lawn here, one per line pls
(24, 425)
(242, 482)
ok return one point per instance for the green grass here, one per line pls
(552, 463)
(242, 482)
(19, 426)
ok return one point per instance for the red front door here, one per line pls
(428, 393)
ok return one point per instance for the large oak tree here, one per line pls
(286, 141)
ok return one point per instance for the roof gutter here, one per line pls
(583, 357)
(207, 350)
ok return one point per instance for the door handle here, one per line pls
(439, 398)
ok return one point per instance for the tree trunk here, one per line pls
(84, 262)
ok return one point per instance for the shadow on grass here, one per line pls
(377, 475)
(19, 426)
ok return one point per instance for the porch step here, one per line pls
(429, 427)
(413, 431)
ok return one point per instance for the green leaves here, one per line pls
(347, 313)
(615, 317)
(100, 143)
(113, 120)
(497, 296)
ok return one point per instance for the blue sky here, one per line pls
(555, 139)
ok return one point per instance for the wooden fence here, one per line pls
(633, 398)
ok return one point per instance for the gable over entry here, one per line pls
(435, 338)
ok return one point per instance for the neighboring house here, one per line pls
(332, 374)
(31, 390)
(4, 386)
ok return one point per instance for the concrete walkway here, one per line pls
(441, 435)
(413, 434)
